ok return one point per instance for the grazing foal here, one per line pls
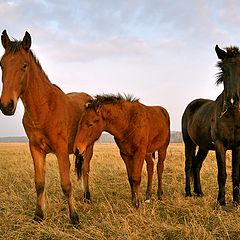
(138, 130)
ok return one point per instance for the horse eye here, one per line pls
(90, 125)
(25, 65)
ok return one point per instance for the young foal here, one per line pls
(50, 118)
(138, 130)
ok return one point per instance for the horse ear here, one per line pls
(26, 42)
(220, 53)
(5, 39)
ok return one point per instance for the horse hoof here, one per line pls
(188, 194)
(199, 194)
(87, 198)
(222, 202)
(38, 218)
(88, 201)
(74, 219)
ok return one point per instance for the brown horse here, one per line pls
(50, 119)
(138, 130)
(215, 125)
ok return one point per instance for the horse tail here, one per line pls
(78, 165)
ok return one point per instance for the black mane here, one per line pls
(232, 52)
(100, 100)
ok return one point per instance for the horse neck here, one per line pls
(116, 119)
(38, 89)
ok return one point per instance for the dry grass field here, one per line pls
(111, 215)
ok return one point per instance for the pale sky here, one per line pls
(160, 51)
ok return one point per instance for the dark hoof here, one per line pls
(38, 218)
(136, 203)
(222, 202)
(88, 201)
(160, 198)
(74, 219)
(199, 194)
(87, 198)
(188, 194)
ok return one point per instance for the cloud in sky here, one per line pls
(160, 51)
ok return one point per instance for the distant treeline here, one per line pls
(176, 137)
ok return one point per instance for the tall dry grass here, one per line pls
(111, 215)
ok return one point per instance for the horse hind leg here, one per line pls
(160, 167)
(150, 168)
(190, 149)
(197, 165)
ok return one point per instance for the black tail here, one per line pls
(78, 165)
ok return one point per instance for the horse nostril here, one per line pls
(8, 109)
(10, 105)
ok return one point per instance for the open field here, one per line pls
(111, 215)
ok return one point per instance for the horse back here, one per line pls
(196, 123)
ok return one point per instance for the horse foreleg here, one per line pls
(134, 169)
(222, 174)
(235, 175)
(137, 166)
(128, 163)
(39, 168)
(160, 166)
(64, 169)
(150, 168)
(86, 169)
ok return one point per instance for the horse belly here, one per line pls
(158, 141)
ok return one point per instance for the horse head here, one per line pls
(90, 128)
(14, 65)
(229, 75)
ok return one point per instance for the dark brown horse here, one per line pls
(215, 125)
(50, 118)
(138, 130)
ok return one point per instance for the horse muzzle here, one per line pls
(78, 151)
(9, 109)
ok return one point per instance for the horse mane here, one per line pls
(100, 100)
(14, 46)
(232, 52)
